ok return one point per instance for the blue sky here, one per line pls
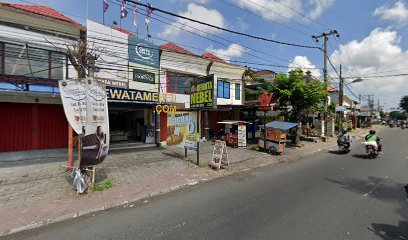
(372, 43)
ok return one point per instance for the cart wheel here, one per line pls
(272, 150)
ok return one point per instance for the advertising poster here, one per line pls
(242, 136)
(96, 140)
(182, 130)
(202, 93)
(73, 96)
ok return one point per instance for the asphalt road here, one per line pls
(324, 196)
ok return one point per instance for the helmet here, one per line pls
(345, 130)
(372, 131)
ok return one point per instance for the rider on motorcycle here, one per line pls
(371, 137)
(344, 138)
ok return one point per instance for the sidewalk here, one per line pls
(33, 195)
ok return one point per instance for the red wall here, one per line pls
(32, 126)
(163, 126)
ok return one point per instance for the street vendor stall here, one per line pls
(276, 136)
(235, 133)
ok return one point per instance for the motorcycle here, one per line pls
(344, 147)
(403, 126)
(371, 149)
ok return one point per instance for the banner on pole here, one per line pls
(86, 109)
(96, 140)
(73, 96)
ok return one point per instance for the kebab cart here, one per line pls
(275, 140)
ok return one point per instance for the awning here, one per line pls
(232, 122)
(281, 125)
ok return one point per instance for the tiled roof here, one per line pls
(212, 57)
(263, 72)
(41, 10)
(331, 89)
(174, 48)
(124, 31)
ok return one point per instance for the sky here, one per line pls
(372, 44)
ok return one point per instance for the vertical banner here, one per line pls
(73, 96)
(96, 140)
(182, 130)
(242, 135)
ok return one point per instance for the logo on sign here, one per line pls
(143, 51)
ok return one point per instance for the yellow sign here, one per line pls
(166, 108)
(182, 130)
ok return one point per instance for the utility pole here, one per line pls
(341, 83)
(325, 37)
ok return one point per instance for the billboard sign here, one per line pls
(143, 52)
(143, 76)
(202, 93)
(182, 130)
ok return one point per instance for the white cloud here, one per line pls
(304, 63)
(318, 6)
(379, 53)
(199, 1)
(242, 24)
(233, 51)
(397, 13)
(275, 9)
(199, 13)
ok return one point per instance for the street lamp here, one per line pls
(359, 79)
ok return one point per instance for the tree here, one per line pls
(82, 57)
(404, 103)
(301, 97)
(292, 91)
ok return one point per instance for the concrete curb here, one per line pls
(131, 202)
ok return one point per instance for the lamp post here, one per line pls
(341, 85)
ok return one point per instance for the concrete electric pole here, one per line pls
(325, 37)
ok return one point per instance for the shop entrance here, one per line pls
(128, 124)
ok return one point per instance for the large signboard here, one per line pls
(143, 52)
(202, 93)
(131, 96)
(112, 48)
(182, 130)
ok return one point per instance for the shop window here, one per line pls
(57, 65)
(237, 91)
(1, 58)
(179, 83)
(32, 62)
(223, 89)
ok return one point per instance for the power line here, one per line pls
(221, 28)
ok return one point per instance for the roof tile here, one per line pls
(42, 10)
(175, 48)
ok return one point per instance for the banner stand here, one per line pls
(220, 155)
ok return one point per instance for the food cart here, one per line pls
(275, 136)
(235, 133)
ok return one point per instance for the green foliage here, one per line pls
(294, 91)
(404, 103)
(398, 115)
(105, 184)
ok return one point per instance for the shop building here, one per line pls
(130, 68)
(32, 60)
(181, 67)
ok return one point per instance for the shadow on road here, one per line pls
(390, 232)
(384, 190)
(361, 156)
(334, 152)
